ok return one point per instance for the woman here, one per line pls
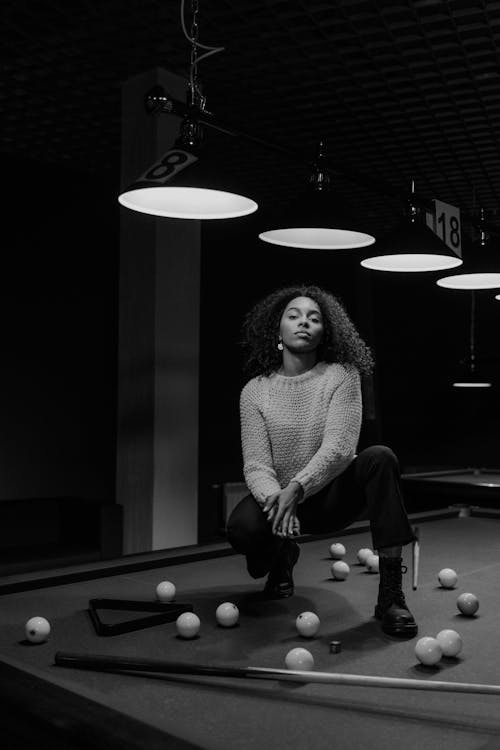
(300, 423)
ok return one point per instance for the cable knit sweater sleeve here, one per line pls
(340, 436)
(259, 472)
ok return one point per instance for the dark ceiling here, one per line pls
(397, 90)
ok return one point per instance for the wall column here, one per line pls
(158, 370)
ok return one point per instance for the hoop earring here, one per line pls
(280, 345)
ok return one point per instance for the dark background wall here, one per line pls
(58, 323)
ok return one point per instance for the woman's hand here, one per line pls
(281, 510)
(293, 528)
(270, 505)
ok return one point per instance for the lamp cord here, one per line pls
(472, 327)
(196, 97)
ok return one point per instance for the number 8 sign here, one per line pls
(447, 226)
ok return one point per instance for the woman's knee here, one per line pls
(379, 455)
(244, 521)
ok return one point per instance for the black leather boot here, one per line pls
(391, 609)
(279, 584)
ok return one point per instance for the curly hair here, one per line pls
(341, 341)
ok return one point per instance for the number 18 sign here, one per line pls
(447, 226)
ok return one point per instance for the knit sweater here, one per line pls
(303, 428)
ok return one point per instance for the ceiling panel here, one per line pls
(398, 91)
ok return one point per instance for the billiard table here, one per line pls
(56, 707)
(427, 489)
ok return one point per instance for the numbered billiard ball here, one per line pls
(337, 551)
(450, 642)
(300, 659)
(227, 614)
(340, 570)
(447, 578)
(37, 629)
(307, 624)
(468, 604)
(428, 651)
(188, 625)
(165, 591)
(363, 553)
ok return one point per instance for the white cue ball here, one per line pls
(188, 625)
(447, 578)
(37, 629)
(227, 614)
(450, 642)
(300, 659)
(363, 553)
(372, 563)
(428, 651)
(307, 624)
(340, 570)
(165, 591)
(337, 551)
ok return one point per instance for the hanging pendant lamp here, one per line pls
(180, 186)
(186, 202)
(470, 376)
(318, 219)
(412, 247)
(176, 185)
(481, 267)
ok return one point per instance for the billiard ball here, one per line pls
(37, 629)
(165, 591)
(450, 642)
(227, 614)
(447, 578)
(363, 553)
(188, 625)
(337, 551)
(340, 570)
(468, 604)
(300, 659)
(428, 651)
(372, 563)
(307, 624)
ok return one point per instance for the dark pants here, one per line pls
(368, 488)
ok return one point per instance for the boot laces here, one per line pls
(392, 591)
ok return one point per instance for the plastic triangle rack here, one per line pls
(163, 612)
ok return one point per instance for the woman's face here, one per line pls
(301, 325)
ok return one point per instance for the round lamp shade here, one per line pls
(471, 384)
(411, 262)
(471, 281)
(180, 185)
(470, 375)
(412, 247)
(317, 218)
(317, 238)
(187, 202)
(481, 267)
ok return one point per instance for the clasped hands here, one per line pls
(281, 510)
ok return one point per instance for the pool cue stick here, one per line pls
(101, 663)
(415, 556)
